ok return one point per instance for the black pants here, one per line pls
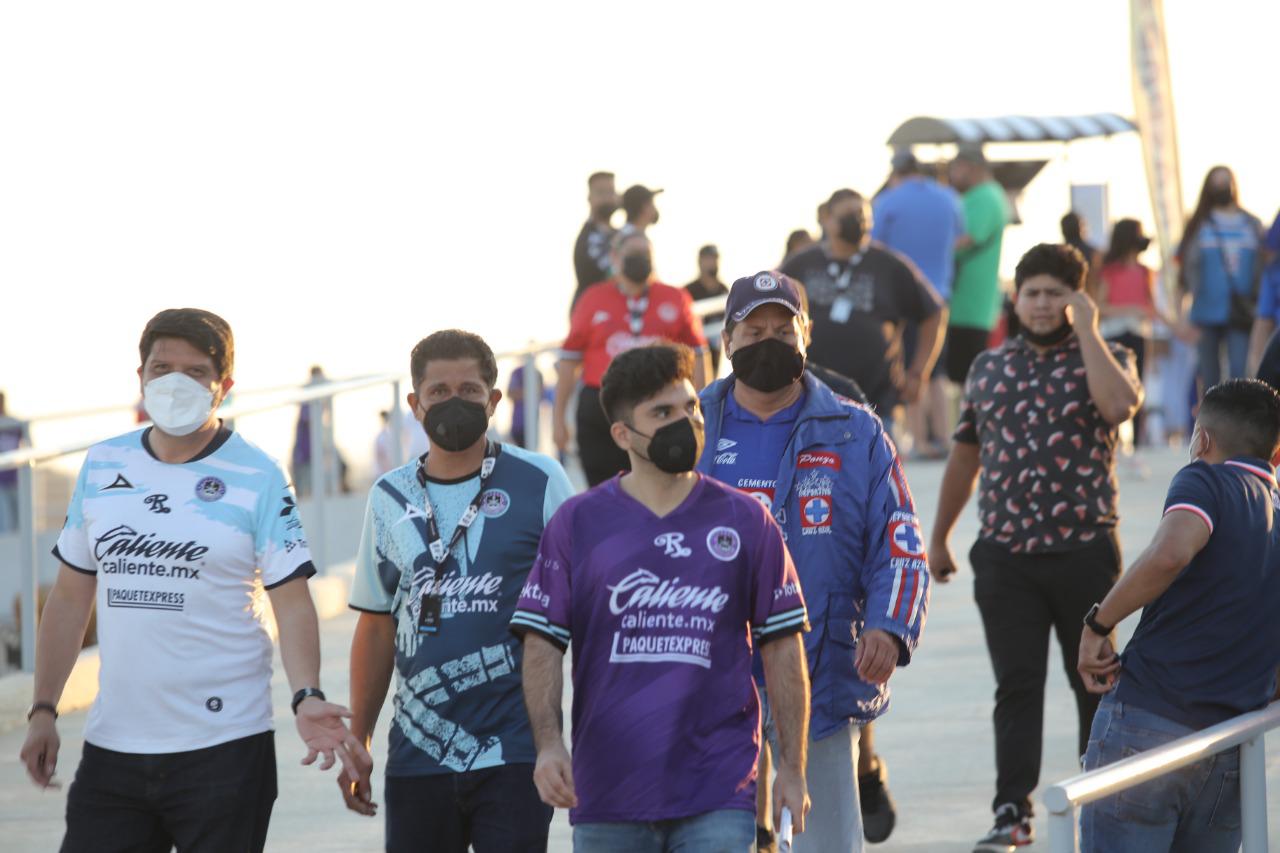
(1021, 598)
(1138, 344)
(212, 800)
(496, 810)
(963, 345)
(601, 456)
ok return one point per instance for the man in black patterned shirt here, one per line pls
(1039, 421)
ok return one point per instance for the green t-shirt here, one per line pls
(975, 297)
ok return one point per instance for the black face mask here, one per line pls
(1220, 196)
(768, 366)
(637, 268)
(676, 447)
(456, 424)
(712, 271)
(1048, 339)
(851, 228)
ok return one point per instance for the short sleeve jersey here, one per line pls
(662, 614)
(1207, 649)
(1048, 456)
(458, 703)
(860, 308)
(591, 255)
(975, 295)
(606, 322)
(182, 553)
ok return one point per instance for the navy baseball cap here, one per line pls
(749, 293)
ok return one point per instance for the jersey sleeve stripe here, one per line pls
(798, 626)
(537, 620)
(520, 625)
(70, 565)
(369, 610)
(1204, 516)
(304, 571)
(785, 615)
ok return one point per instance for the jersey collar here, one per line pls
(1255, 466)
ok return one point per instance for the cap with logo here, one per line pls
(766, 287)
(635, 198)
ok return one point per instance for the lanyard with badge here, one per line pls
(842, 275)
(431, 601)
(636, 307)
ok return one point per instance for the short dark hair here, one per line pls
(204, 330)
(842, 195)
(1244, 415)
(641, 373)
(1063, 262)
(450, 344)
(599, 176)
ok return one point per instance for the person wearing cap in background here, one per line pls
(625, 312)
(641, 212)
(862, 296)
(706, 286)
(827, 470)
(591, 251)
(924, 221)
(976, 298)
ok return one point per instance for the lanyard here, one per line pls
(636, 306)
(842, 272)
(440, 551)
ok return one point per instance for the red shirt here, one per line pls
(1128, 285)
(606, 322)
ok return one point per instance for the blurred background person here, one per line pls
(922, 220)
(12, 436)
(1221, 263)
(1075, 233)
(638, 202)
(591, 251)
(1268, 309)
(797, 240)
(976, 297)
(515, 396)
(705, 286)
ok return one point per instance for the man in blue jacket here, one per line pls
(826, 469)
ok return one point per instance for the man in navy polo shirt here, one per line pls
(1208, 644)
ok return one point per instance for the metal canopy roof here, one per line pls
(926, 130)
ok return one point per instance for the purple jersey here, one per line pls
(662, 614)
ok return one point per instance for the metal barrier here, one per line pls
(1246, 731)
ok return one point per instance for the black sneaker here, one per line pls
(1012, 829)
(765, 841)
(878, 811)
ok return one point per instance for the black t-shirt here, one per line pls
(591, 255)
(698, 290)
(859, 308)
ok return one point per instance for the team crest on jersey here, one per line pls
(600, 317)
(211, 489)
(724, 543)
(905, 539)
(765, 282)
(815, 514)
(815, 484)
(668, 313)
(494, 503)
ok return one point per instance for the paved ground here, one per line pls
(936, 739)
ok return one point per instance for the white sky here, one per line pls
(340, 179)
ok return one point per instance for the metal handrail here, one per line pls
(1245, 731)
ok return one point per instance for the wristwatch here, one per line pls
(42, 706)
(303, 694)
(1094, 625)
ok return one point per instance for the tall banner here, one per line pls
(1153, 104)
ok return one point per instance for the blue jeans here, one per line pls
(1194, 809)
(725, 831)
(1209, 351)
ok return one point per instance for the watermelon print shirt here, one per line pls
(1048, 478)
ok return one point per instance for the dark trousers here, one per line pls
(212, 800)
(601, 456)
(495, 810)
(1021, 598)
(1138, 344)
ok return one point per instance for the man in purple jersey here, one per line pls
(663, 581)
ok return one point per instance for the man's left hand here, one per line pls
(912, 386)
(1082, 312)
(1098, 663)
(321, 727)
(877, 656)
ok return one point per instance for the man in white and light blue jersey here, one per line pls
(448, 542)
(174, 531)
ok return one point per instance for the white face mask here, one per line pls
(1193, 451)
(177, 404)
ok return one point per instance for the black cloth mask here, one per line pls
(1220, 196)
(1047, 339)
(851, 228)
(637, 268)
(456, 424)
(676, 447)
(769, 365)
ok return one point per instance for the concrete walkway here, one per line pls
(936, 739)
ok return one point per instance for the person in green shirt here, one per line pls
(975, 295)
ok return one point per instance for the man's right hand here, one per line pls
(942, 563)
(553, 776)
(791, 791)
(40, 751)
(357, 789)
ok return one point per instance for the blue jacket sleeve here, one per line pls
(895, 568)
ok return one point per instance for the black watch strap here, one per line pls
(303, 694)
(42, 706)
(1091, 622)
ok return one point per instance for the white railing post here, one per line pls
(396, 422)
(317, 521)
(1253, 794)
(1063, 837)
(532, 400)
(29, 562)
